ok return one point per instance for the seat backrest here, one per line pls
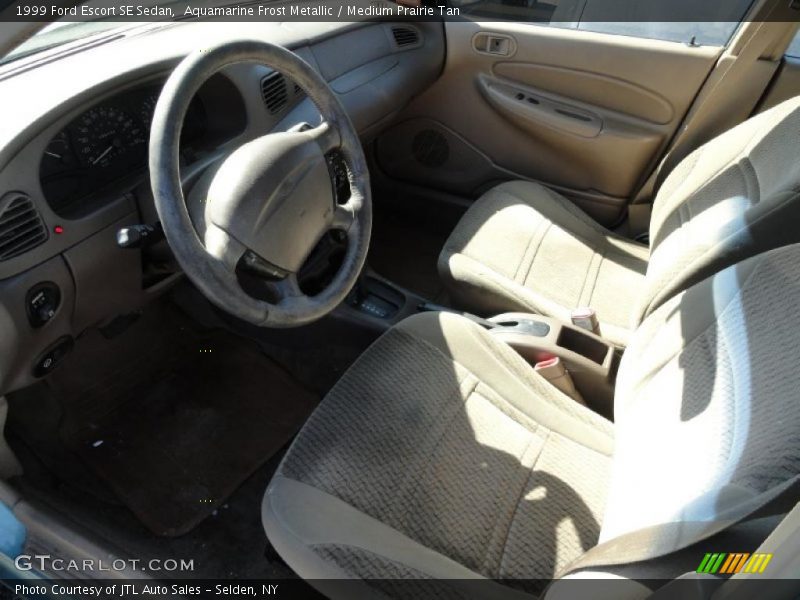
(734, 197)
(707, 406)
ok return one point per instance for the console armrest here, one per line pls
(591, 361)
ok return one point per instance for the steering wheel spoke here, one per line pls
(326, 136)
(343, 217)
(226, 249)
(286, 289)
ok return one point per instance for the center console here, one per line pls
(591, 361)
(376, 304)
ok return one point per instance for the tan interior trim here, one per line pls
(784, 86)
(583, 112)
(734, 87)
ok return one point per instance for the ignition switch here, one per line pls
(42, 302)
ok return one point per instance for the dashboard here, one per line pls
(74, 137)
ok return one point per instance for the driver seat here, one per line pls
(442, 454)
(522, 247)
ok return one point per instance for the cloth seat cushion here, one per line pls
(706, 411)
(441, 453)
(522, 246)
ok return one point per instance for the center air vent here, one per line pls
(274, 92)
(21, 227)
(405, 36)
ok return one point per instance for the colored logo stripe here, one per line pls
(728, 564)
(711, 563)
(758, 563)
(734, 563)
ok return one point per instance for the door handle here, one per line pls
(497, 44)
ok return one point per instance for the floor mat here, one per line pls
(177, 428)
(406, 252)
(230, 544)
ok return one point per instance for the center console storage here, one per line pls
(591, 361)
(375, 304)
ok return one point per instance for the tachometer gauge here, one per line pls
(106, 133)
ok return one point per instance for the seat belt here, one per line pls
(753, 51)
(664, 539)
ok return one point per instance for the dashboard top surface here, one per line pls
(71, 80)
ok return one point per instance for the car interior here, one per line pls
(509, 298)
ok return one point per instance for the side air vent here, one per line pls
(21, 227)
(405, 36)
(275, 92)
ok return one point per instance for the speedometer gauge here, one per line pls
(106, 133)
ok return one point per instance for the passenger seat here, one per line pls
(524, 247)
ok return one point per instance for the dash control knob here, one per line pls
(52, 357)
(42, 302)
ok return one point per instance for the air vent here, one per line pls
(21, 227)
(274, 92)
(405, 36)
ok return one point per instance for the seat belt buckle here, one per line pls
(554, 371)
(585, 318)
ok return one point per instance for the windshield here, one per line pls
(84, 23)
(59, 33)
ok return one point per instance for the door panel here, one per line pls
(586, 113)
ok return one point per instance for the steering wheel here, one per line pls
(269, 202)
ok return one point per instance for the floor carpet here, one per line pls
(173, 419)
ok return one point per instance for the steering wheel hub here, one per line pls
(274, 196)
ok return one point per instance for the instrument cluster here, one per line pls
(106, 144)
